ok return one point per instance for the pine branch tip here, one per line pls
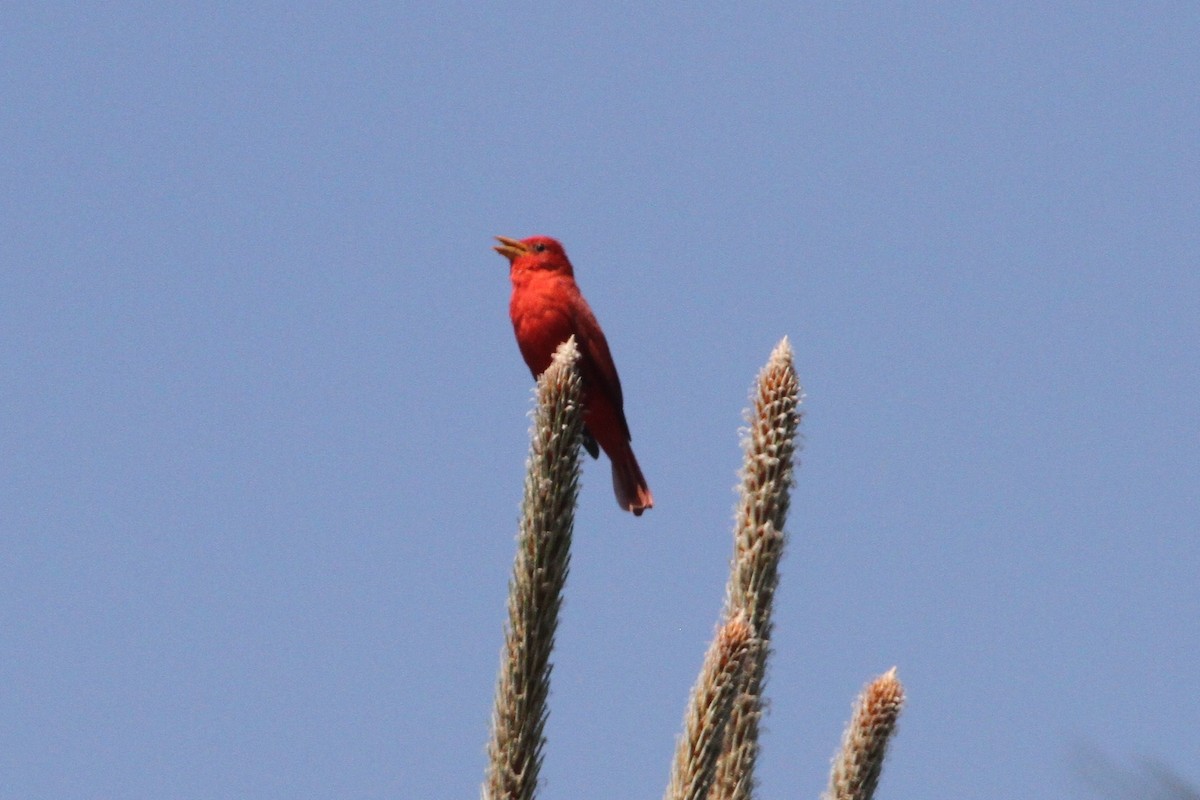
(782, 351)
(567, 352)
(536, 588)
(859, 762)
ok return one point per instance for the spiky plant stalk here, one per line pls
(857, 766)
(535, 591)
(708, 712)
(770, 449)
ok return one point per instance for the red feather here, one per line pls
(546, 309)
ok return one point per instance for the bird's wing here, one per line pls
(590, 444)
(597, 364)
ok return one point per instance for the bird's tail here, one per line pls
(629, 484)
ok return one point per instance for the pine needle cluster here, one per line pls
(716, 754)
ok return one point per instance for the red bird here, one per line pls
(547, 309)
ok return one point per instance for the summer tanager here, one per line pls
(547, 309)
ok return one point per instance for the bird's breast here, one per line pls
(542, 319)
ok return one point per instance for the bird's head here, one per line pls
(535, 254)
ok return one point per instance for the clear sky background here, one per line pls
(263, 421)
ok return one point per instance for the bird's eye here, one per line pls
(539, 248)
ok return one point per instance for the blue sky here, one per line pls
(264, 422)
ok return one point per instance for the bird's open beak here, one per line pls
(510, 248)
